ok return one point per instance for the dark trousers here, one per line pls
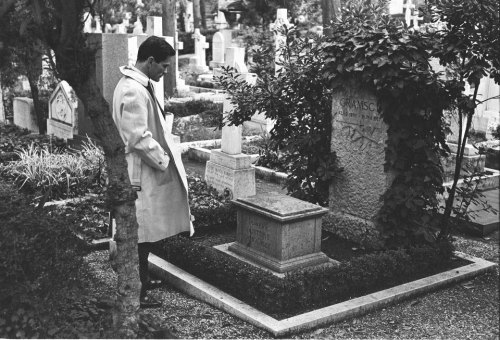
(144, 249)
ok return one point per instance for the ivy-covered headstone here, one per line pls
(359, 137)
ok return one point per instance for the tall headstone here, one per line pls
(112, 52)
(217, 50)
(228, 167)
(359, 137)
(24, 114)
(154, 26)
(180, 84)
(279, 38)
(198, 63)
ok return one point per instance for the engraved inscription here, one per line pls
(219, 177)
(258, 236)
(361, 122)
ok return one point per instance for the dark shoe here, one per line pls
(148, 302)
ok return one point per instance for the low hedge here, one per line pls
(306, 290)
(208, 206)
(207, 108)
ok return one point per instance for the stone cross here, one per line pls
(409, 7)
(200, 45)
(179, 45)
(416, 19)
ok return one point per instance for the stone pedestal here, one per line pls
(279, 232)
(359, 137)
(233, 172)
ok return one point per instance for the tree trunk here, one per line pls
(33, 64)
(203, 15)
(331, 11)
(169, 28)
(462, 140)
(76, 64)
(196, 13)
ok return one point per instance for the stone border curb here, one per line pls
(201, 290)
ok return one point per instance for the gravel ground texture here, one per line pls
(468, 310)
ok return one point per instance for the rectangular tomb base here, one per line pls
(275, 266)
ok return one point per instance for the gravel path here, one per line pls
(468, 310)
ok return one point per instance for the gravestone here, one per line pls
(24, 114)
(112, 52)
(279, 232)
(235, 57)
(154, 26)
(198, 63)
(87, 24)
(228, 167)
(98, 28)
(220, 21)
(67, 117)
(217, 50)
(279, 38)
(359, 138)
(138, 28)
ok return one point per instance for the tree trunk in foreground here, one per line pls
(76, 64)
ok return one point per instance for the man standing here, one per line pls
(154, 164)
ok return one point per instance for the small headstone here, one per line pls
(67, 116)
(24, 114)
(396, 7)
(217, 50)
(235, 57)
(87, 24)
(138, 29)
(108, 28)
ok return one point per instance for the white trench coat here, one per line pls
(154, 161)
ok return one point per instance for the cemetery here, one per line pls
(343, 177)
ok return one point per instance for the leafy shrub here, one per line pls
(57, 175)
(38, 256)
(210, 111)
(299, 99)
(305, 290)
(208, 206)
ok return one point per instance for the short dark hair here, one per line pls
(155, 47)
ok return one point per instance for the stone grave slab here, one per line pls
(280, 232)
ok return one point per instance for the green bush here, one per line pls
(305, 290)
